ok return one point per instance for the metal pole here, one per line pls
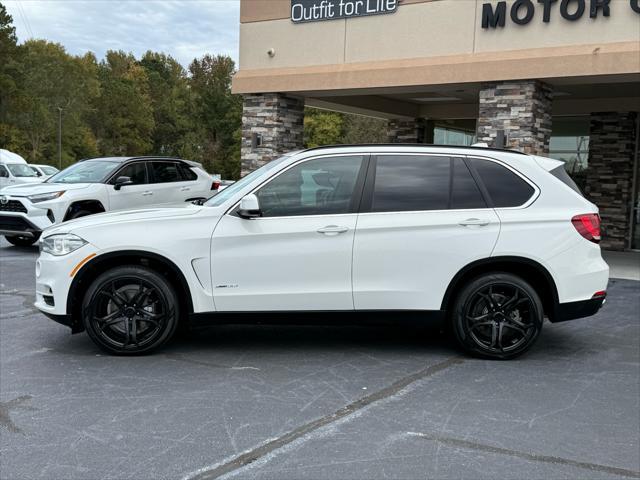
(60, 138)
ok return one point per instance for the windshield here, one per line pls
(49, 170)
(21, 170)
(231, 190)
(85, 172)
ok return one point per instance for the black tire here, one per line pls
(19, 241)
(497, 316)
(79, 213)
(130, 311)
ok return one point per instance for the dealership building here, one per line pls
(559, 78)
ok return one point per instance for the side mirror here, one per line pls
(249, 207)
(122, 181)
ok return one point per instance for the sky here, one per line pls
(184, 29)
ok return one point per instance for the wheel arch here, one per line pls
(94, 206)
(92, 269)
(527, 269)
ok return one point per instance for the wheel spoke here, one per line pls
(511, 301)
(500, 332)
(478, 318)
(494, 334)
(516, 328)
(111, 322)
(134, 331)
(141, 295)
(480, 324)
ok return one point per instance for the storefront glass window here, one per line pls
(570, 143)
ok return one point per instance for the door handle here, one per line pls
(147, 193)
(332, 230)
(185, 189)
(474, 222)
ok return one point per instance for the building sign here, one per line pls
(304, 11)
(522, 11)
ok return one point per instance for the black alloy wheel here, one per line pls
(497, 316)
(130, 310)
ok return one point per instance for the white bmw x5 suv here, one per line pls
(490, 242)
(95, 186)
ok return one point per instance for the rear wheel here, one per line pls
(130, 311)
(20, 241)
(497, 316)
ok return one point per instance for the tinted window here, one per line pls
(505, 187)
(317, 187)
(465, 192)
(411, 182)
(561, 174)
(186, 173)
(3, 171)
(165, 172)
(136, 172)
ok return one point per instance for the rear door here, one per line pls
(167, 185)
(423, 219)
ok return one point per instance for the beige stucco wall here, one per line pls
(421, 30)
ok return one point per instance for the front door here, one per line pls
(423, 219)
(134, 195)
(4, 177)
(297, 255)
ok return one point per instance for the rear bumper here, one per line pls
(581, 309)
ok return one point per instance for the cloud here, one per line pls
(184, 29)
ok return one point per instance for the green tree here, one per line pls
(218, 114)
(11, 137)
(322, 127)
(123, 120)
(361, 129)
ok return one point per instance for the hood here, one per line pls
(155, 214)
(34, 188)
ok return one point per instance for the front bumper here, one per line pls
(54, 276)
(20, 217)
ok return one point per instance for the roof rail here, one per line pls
(478, 148)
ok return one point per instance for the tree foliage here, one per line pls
(121, 105)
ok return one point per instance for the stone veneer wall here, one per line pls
(609, 179)
(404, 131)
(522, 109)
(279, 119)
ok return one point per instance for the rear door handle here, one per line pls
(185, 189)
(147, 193)
(477, 222)
(332, 230)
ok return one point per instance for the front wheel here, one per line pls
(497, 316)
(20, 241)
(130, 310)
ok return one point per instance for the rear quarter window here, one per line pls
(561, 174)
(505, 188)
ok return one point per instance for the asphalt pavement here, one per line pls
(314, 402)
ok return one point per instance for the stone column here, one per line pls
(405, 131)
(272, 124)
(522, 110)
(609, 175)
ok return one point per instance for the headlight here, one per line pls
(43, 197)
(61, 244)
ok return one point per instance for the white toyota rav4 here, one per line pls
(490, 242)
(95, 186)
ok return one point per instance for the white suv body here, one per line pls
(448, 233)
(95, 186)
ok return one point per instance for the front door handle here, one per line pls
(474, 222)
(147, 193)
(331, 230)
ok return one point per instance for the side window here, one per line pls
(3, 172)
(411, 183)
(465, 193)
(135, 171)
(505, 188)
(323, 186)
(186, 173)
(165, 172)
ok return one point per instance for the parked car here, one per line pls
(490, 242)
(219, 185)
(43, 171)
(14, 170)
(95, 186)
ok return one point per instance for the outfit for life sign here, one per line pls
(305, 11)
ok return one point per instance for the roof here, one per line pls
(141, 157)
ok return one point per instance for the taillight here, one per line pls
(588, 225)
(215, 185)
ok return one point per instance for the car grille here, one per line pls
(12, 206)
(16, 224)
